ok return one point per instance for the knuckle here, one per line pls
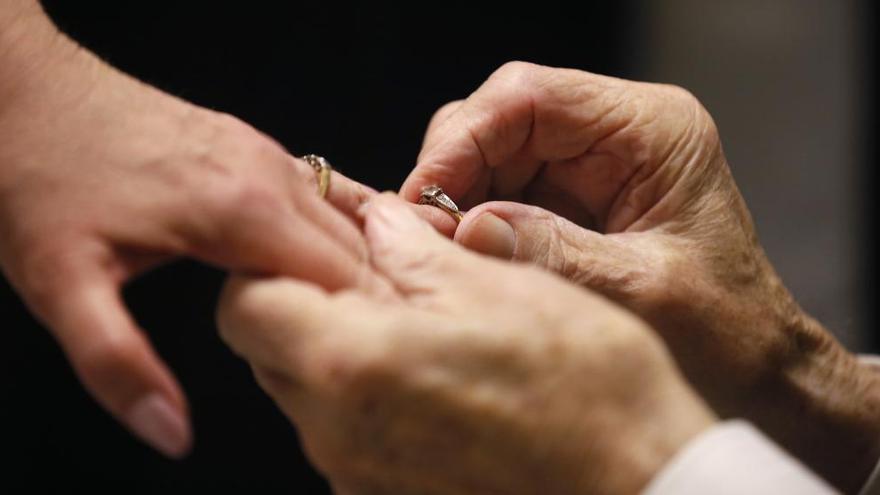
(41, 273)
(680, 97)
(516, 72)
(245, 172)
(235, 309)
(243, 304)
(304, 173)
(518, 81)
(232, 145)
(681, 94)
(35, 270)
(556, 251)
(616, 281)
(444, 112)
(249, 139)
(622, 283)
(220, 211)
(665, 289)
(108, 357)
(570, 256)
(694, 112)
(447, 109)
(616, 271)
(254, 196)
(226, 125)
(243, 197)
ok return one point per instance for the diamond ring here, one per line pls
(434, 196)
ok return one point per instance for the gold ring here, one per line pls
(322, 171)
(434, 196)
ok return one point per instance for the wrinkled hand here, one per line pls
(623, 187)
(103, 177)
(473, 377)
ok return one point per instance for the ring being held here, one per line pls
(434, 196)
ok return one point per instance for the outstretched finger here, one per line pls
(111, 356)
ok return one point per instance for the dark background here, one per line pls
(356, 84)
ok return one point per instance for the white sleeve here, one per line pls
(734, 458)
(872, 485)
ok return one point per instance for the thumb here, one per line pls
(527, 233)
(408, 250)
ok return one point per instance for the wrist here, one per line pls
(13, 10)
(667, 417)
(30, 47)
(822, 405)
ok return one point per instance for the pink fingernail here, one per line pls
(160, 425)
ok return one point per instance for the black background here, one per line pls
(355, 83)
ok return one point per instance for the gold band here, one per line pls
(323, 171)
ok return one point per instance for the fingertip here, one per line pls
(141, 392)
(230, 294)
(439, 117)
(116, 364)
(403, 245)
(411, 190)
(155, 420)
(125, 375)
(248, 301)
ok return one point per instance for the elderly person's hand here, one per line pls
(474, 376)
(623, 187)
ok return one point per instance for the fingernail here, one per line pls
(491, 235)
(160, 425)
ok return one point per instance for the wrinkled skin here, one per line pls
(462, 381)
(623, 187)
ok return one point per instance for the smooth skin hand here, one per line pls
(623, 187)
(103, 177)
(462, 381)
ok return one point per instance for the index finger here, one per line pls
(477, 134)
(526, 115)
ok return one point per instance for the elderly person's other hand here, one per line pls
(623, 187)
(473, 377)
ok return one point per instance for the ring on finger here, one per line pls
(323, 171)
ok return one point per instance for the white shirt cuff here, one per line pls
(734, 458)
(872, 486)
